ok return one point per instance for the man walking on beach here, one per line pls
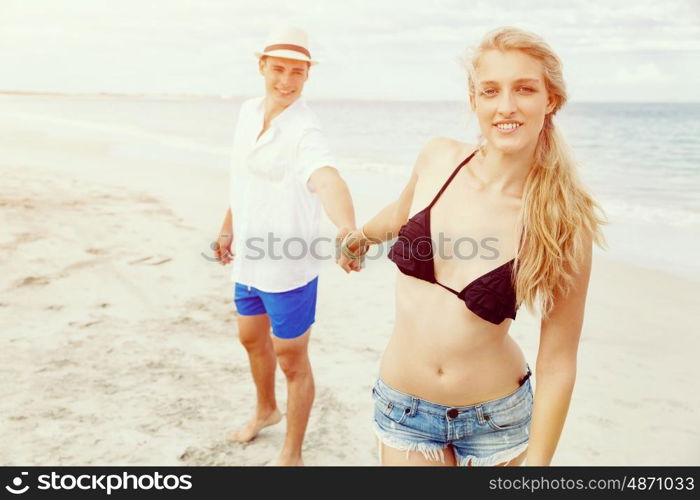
(281, 177)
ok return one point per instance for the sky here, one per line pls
(626, 50)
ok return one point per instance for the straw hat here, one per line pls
(288, 42)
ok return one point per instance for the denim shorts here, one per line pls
(487, 433)
(291, 313)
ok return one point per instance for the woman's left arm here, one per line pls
(556, 364)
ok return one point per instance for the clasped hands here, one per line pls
(351, 248)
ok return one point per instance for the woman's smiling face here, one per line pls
(510, 100)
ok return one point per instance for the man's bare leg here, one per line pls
(294, 360)
(254, 334)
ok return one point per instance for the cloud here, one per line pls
(646, 73)
(381, 49)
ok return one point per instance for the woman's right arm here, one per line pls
(386, 223)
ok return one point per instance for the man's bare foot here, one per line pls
(283, 461)
(252, 428)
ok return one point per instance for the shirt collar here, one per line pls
(288, 112)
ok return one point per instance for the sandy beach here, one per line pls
(119, 343)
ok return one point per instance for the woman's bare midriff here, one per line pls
(441, 352)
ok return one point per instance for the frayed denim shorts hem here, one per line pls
(487, 433)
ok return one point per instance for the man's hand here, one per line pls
(222, 249)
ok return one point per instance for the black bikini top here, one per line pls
(491, 296)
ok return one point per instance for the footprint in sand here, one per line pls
(151, 260)
(87, 324)
(33, 281)
(147, 199)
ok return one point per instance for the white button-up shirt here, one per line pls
(276, 217)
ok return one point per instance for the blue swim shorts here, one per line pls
(291, 313)
(487, 433)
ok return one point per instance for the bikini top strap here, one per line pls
(447, 182)
(447, 288)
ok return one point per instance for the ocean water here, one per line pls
(644, 159)
(641, 161)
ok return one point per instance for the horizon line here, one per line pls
(195, 96)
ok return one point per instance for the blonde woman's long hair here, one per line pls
(559, 215)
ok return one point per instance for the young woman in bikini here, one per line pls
(515, 227)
